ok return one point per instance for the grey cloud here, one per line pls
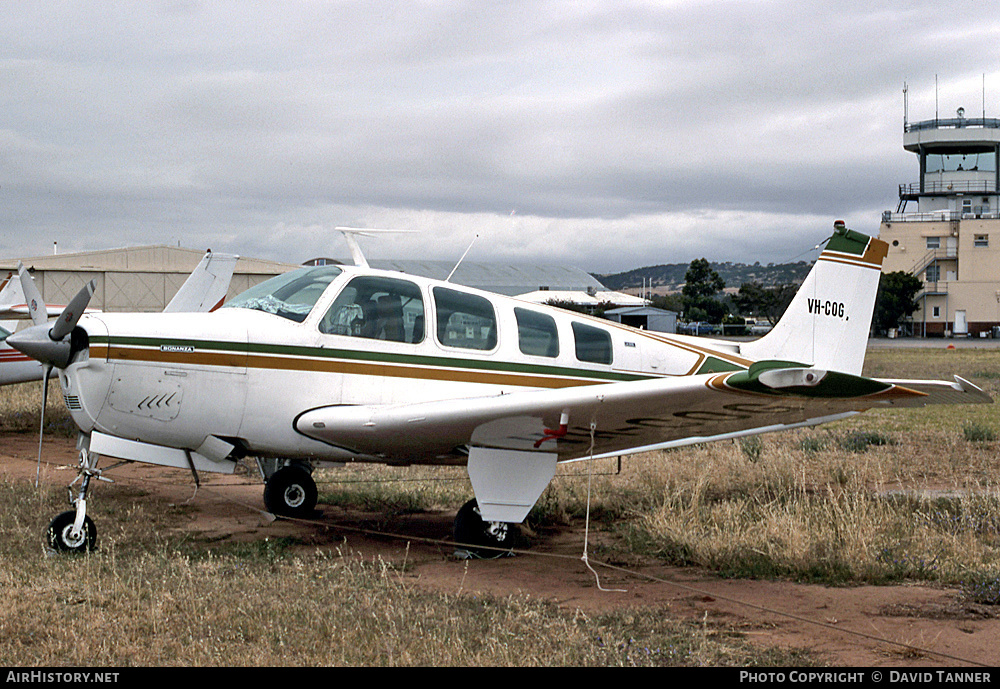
(719, 127)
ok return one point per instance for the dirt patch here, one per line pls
(865, 626)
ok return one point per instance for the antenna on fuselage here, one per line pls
(351, 234)
(448, 279)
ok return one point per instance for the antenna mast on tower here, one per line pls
(906, 106)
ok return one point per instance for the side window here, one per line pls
(536, 333)
(464, 320)
(377, 308)
(592, 344)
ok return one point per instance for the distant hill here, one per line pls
(670, 277)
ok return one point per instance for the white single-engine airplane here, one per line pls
(337, 364)
(204, 290)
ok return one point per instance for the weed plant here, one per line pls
(976, 432)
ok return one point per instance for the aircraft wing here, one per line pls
(627, 417)
(206, 287)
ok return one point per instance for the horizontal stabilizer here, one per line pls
(960, 391)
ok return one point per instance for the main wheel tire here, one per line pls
(61, 537)
(482, 539)
(291, 492)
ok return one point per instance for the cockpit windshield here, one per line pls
(290, 296)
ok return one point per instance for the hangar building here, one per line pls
(142, 278)
(145, 278)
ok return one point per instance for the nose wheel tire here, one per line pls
(481, 539)
(291, 492)
(62, 537)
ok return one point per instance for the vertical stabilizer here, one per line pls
(206, 287)
(7, 299)
(828, 321)
(10, 290)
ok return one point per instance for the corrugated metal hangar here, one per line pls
(142, 278)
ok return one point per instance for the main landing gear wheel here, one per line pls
(291, 492)
(62, 537)
(481, 539)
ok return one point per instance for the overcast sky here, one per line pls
(605, 135)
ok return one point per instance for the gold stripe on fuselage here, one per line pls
(259, 361)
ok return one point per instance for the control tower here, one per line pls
(951, 239)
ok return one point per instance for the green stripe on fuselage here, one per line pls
(715, 365)
(414, 360)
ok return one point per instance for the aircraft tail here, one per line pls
(8, 299)
(205, 289)
(829, 319)
(10, 290)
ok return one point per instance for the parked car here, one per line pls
(699, 328)
(758, 327)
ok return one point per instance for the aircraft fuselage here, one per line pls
(246, 375)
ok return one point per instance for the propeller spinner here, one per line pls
(43, 342)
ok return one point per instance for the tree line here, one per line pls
(702, 299)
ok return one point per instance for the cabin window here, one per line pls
(377, 308)
(291, 295)
(464, 320)
(536, 333)
(592, 344)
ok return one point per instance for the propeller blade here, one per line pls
(36, 306)
(71, 314)
(41, 424)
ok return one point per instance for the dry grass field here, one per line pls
(888, 498)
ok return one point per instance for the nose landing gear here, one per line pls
(73, 531)
(64, 535)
